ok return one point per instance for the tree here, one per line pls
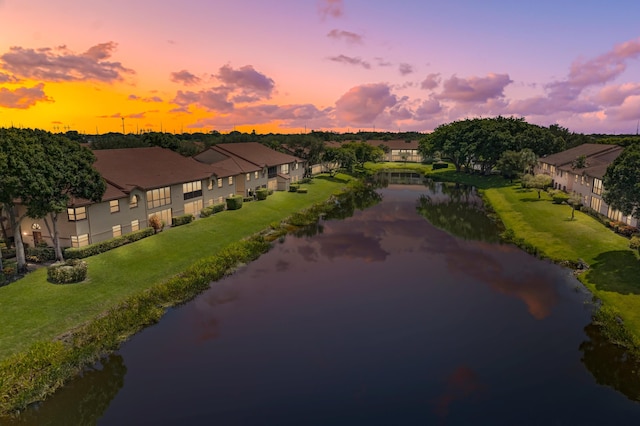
(621, 182)
(65, 173)
(575, 200)
(513, 164)
(539, 182)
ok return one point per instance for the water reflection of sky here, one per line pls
(380, 319)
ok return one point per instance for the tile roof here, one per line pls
(568, 156)
(596, 165)
(147, 168)
(258, 154)
(224, 164)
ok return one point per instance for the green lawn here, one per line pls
(33, 309)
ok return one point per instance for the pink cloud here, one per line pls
(431, 82)
(427, 109)
(405, 69)
(184, 77)
(214, 100)
(350, 61)
(23, 97)
(362, 104)
(629, 110)
(332, 8)
(616, 94)
(148, 99)
(6, 78)
(347, 36)
(246, 81)
(60, 64)
(475, 89)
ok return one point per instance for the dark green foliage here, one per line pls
(182, 220)
(622, 182)
(69, 271)
(293, 188)
(209, 210)
(234, 202)
(302, 190)
(8, 253)
(439, 165)
(40, 254)
(247, 199)
(101, 247)
(262, 193)
(560, 197)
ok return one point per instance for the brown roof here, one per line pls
(111, 193)
(596, 164)
(225, 164)
(257, 154)
(568, 156)
(147, 168)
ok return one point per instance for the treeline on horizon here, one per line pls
(189, 144)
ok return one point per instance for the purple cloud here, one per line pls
(362, 104)
(614, 95)
(60, 64)
(246, 81)
(23, 97)
(350, 61)
(347, 36)
(475, 89)
(332, 8)
(405, 69)
(184, 77)
(149, 99)
(431, 82)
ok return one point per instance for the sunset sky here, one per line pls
(287, 66)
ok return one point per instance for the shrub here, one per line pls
(634, 243)
(209, 210)
(70, 271)
(439, 165)
(156, 223)
(234, 202)
(262, 193)
(182, 220)
(293, 188)
(560, 197)
(247, 199)
(40, 254)
(8, 253)
(302, 190)
(102, 246)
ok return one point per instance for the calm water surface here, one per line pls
(380, 319)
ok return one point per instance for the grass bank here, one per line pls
(613, 276)
(32, 309)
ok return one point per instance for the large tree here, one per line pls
(621, 182)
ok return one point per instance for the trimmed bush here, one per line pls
(182, 220)
(234, 202)
(293, 188)
(8, 253)
(247, 199)
(302, 190)
(634, 243)
(69, 271)
(40, 254)
(102, 246)
(439, 165)
(560, 197)
(262, 193)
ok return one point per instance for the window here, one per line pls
(597, 186)
(230, 180)
(219, 183)
(135, 225)
(284, 169)
(576, 178)
(164, 215)
(158, 197)
(248, 177)
(133, 201)
(192, 189)
(615, 214)
(255, 175)
(114, 206)
(193, 207)
(296, 166)
(80, 240)
(596, 203)
(272, 172)
(116, 231)
(78, 213)
(583, 180)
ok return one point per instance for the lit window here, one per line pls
(79, 240)
(597, 186)
(135, 225)
(193, 207)
(158, 197)
(255, 175)
(116, 230)
(133, 201)
(164, 215)
(230, 180)
(248, 177)
(284, 169)
(219, 183)
(192, 189)
(78, 213)
(114, 206)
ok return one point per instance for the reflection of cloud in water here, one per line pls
(308, 253)
(504, 275)
(351, 245)
(203, 320)
(463, 383)
(282, 265)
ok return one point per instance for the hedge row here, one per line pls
(262, 193)
(40, 254)
(102, 246)
(182, 220)
(208, 211)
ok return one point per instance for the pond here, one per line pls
(379, 318)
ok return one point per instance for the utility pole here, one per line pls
(122, 125)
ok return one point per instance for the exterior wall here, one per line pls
(215, 194)
(100, 220)
(400, 155)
